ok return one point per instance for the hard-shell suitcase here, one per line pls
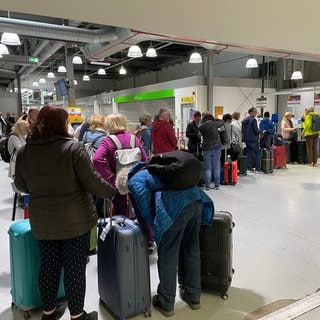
(279, 156)
(242, 165)
(267, 160)
(302, 152)
(230, 172)
(24, 267)
(216, 254)
(123, 268)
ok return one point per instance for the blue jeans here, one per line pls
(180, 240)
(255, 148)
(212, 164)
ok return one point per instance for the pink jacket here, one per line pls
(286, 129)
(104, 160)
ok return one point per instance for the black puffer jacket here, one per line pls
(60, 178)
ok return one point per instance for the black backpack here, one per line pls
(176, 169)
(5, 155)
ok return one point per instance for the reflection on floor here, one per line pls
(276, 247)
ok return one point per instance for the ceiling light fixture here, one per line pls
(251, 63)
(3, 49)
(122, 70)
(151, 53)
(296, 75)
(35, 84)
(11, 39)
(42, 80)
(100, 63)
(62, 69)
(195, 58)
(50, 75)
(134, 52)
(85, 78)
(102, 72)
(76, 60)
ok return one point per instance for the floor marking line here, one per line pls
(295, 309)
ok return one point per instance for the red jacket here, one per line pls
(163, 137)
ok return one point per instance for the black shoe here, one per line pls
(157, 304)
(57, 314)
(93, 315)
(192, 304)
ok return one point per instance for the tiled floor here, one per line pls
(276, 247)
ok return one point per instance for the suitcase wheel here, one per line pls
(147, 313)
(224, 296)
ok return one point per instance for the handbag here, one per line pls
(235, 146)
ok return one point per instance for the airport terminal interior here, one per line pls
(275, 250)
(276, 246)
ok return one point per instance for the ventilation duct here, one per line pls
(56, 32)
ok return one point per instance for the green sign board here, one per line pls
(152, 95)
(33, 59)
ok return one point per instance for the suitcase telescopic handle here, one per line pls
(107, 208)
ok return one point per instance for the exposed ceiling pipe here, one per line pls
(104, 42)
(57, 32)
(213, 45)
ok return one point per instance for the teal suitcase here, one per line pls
(24, 267)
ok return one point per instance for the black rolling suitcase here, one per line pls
(242, 164)
(123, 268)
(302, 152)
(267, 160)
(216, 254)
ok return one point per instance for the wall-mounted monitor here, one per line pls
(61, 87)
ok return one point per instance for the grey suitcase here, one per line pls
(123, 268)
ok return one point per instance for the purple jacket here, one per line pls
(104, 160)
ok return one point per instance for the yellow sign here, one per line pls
(75, 115)
(218, 112)
(187, 99)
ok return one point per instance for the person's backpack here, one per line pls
(4, 152)
(315, 122)
(176, 169)
(125, 158)
(223, 135)
(89, 145)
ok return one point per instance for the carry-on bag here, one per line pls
(242, 164)
(302, 152)
(279, 156)
(24, 267)
(216, 254)
(230, 172)
(123, 267)
(267, 161)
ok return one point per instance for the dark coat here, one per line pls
(60, 179)
(250, 130)
(192, 133)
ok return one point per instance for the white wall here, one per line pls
(241, 96)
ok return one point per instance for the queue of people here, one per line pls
(43, 137)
